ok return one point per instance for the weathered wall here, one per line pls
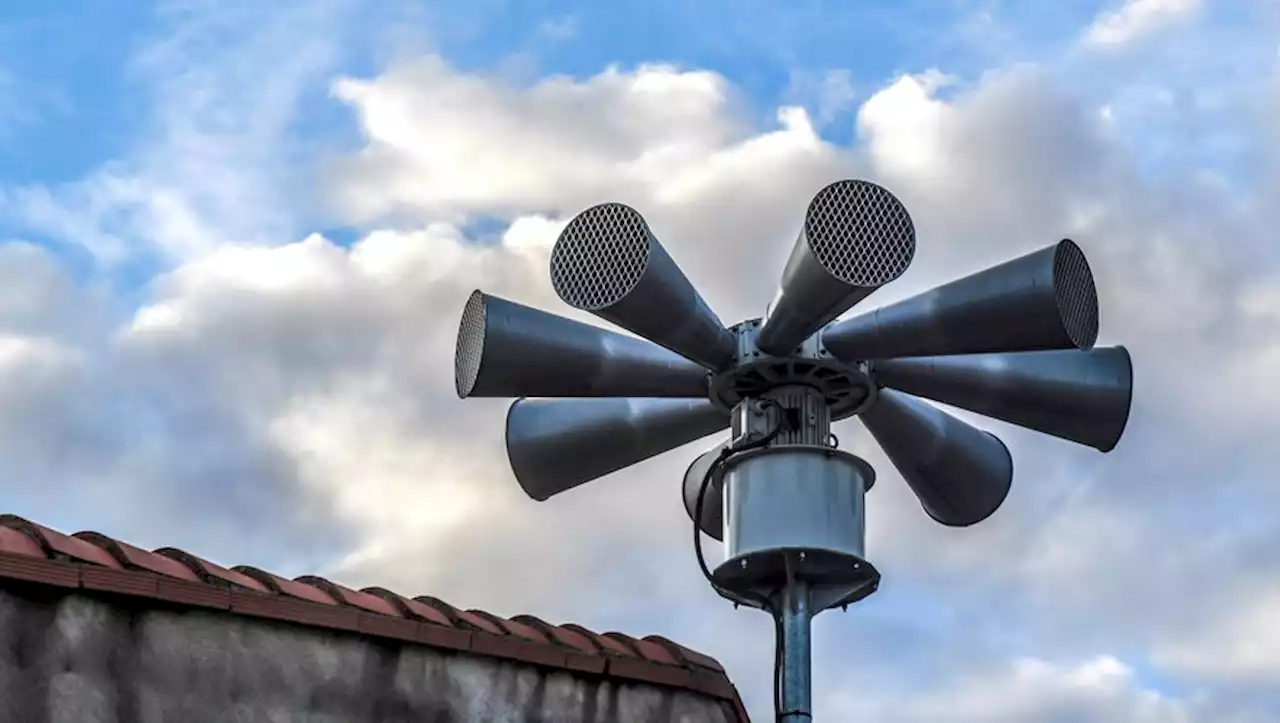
(76, 659)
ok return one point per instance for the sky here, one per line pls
(236, 238)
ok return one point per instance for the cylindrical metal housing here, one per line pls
(801, 502)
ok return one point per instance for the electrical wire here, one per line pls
(763, 601)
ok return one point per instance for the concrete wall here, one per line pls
(69, 658)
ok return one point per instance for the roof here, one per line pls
(94, 562)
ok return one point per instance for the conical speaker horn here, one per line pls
(607, 262)
(713, 506)
(507, 349)
(1044, 300)
(1082, 396)
(856, 238)
(557, 444)
(960, 473)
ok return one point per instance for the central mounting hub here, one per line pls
(846, 388)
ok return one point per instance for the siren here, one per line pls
(1014, 342)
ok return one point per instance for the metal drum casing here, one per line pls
(796, 510)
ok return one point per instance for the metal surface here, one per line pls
(846, 386)
(960, 473)
(609, 263)
(1082, 396)
(1044, 300)
(713, 508)
(794, 618)
(556, 445)
(808, 418)
(507, 349)
(795, 498)
(856, 237)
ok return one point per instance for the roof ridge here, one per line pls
(97, 563)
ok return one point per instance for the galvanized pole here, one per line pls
(794, 617)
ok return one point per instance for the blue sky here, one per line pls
(254, 225)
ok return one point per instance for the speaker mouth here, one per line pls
(860, 233)
(469, 352)
(1076, 294)
(600, 256)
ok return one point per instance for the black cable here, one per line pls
(777, 667)
(698, 506)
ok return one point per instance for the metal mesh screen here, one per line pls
(860, 233)
(600, 256)
(470, 349)
(1075, 294)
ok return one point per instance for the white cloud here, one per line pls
(1138, 18)
(280, 399)
(1239, 642)
(445, 143)
(220, 157)
(1031, 690)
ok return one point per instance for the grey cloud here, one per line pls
(291, 406)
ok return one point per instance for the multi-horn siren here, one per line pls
(1014, 342)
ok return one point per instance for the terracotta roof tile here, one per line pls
(57, 545)
(96, 562)
(211, 573)
(135, 558)
(513, 627)
(559, 634)
(16, 543)
(605, 645)
(411, 608)
(461, 618)
(347, 596)
(285, 586)
(649, 650)
(687, 656)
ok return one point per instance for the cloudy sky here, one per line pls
(236, 237)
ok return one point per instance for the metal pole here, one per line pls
(795, 696)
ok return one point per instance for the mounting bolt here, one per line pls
(744, 564)
(801, 556)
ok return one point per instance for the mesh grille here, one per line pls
(600, 256)
(860, 233)
(1075, 294)
(470, 349)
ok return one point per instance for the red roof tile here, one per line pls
(93, 561)
(410, 608)
(135, 558)
(57, 545)
(211, 573)
(16, 543)
(347, 596)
